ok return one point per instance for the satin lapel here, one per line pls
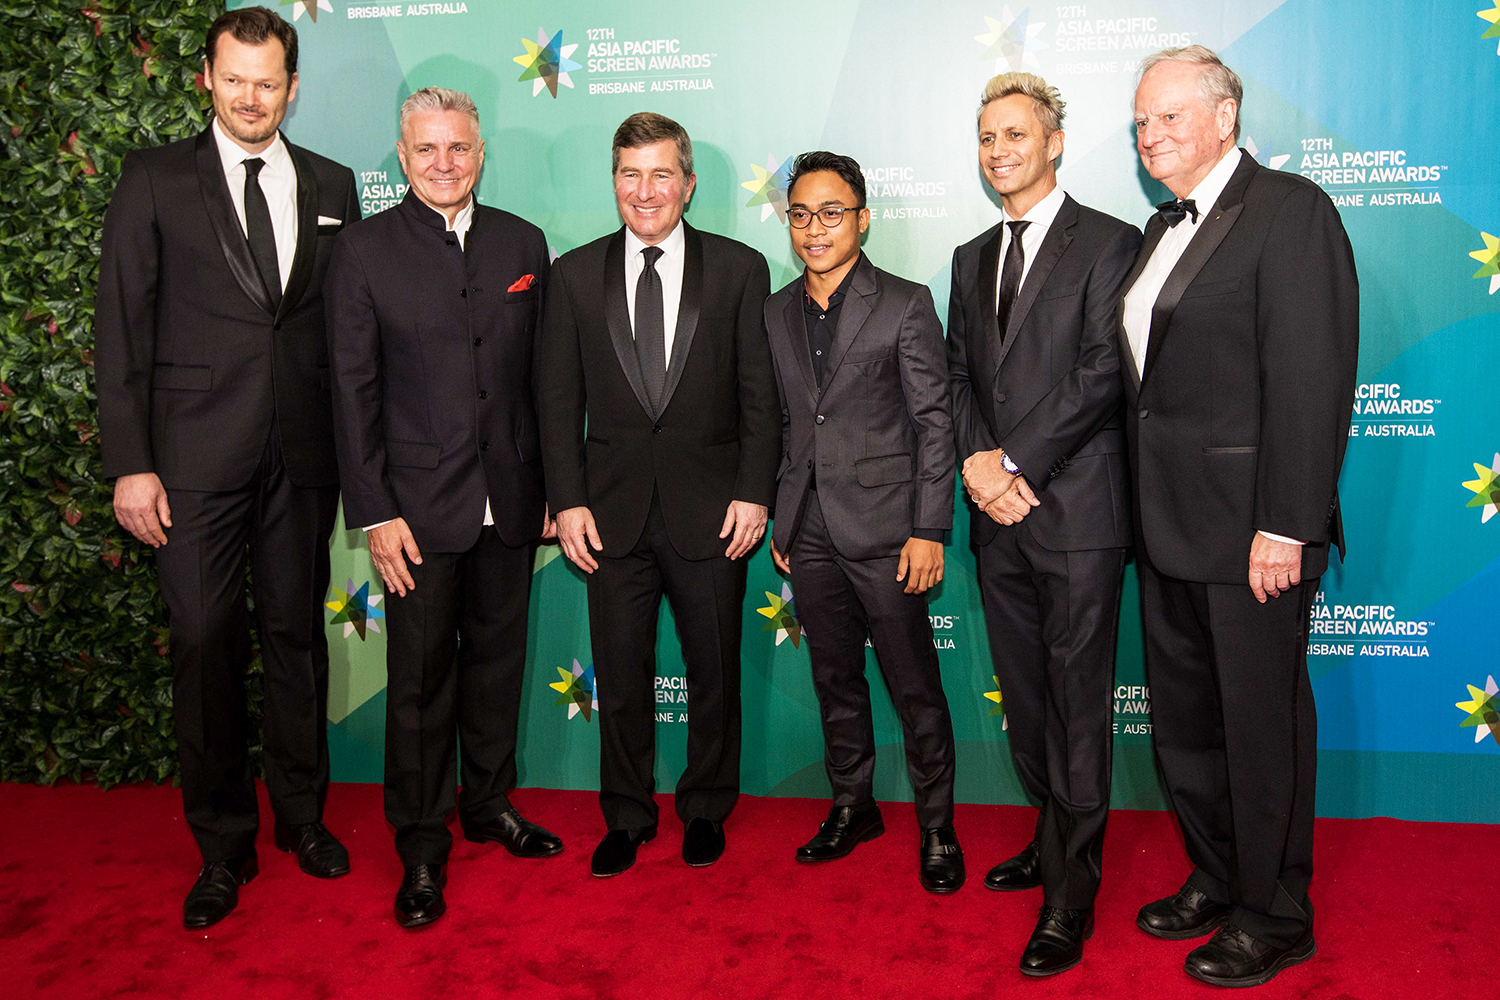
(1059, 235)
(617, 314)
(307, 232)
(858, 305)
(688, 310)
(1154, 230)
(226, 225)
(792, 323)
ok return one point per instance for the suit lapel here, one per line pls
(858, 305)
(307, 232)
(1059, 235)
(986, 340)
(1155, 227)
(226, 225)
(688, 310)
(617, 314)
(798, 347)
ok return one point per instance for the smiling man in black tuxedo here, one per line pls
(1240, 334)
(215, 423)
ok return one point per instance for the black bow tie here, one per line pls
(1174, 211)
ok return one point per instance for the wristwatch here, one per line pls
(1008, 465)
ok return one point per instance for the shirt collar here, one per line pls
(1206, 194)
(839, 293)
(673, 246)
(461, 221)
(277, 158)
(1043, 212)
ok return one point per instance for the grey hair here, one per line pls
(1216, 82)
(438, 99)
(1047, 99)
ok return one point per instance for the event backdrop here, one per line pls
(1390, 107)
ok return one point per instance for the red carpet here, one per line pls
(91, 885)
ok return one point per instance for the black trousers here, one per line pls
(707, 597)
(455, 656)
(1236, 733)
(840, 602)
(283, 531)
(1053, 618)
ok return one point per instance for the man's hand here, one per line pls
(921, 565)
(747, 522)
(780, 559)
(1275, 567)
(575, 527)
(391, 544)
(141, 507)
(985, 478)
(549, 524)
(1014, 504)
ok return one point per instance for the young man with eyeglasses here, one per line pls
(865, 495)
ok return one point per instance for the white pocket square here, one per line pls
(324, 220)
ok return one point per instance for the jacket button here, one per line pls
(656, 429)
(483, 394)
(1143, 413)
(451, 243)
(999, 397)
(463, 293)
(809, 463)
(478, 341)
(820, 418)
(484, 446)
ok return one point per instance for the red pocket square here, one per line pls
(524, 282)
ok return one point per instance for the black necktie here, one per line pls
(1010, 275)
(258, 231)
(651, 327)
(1174, 211)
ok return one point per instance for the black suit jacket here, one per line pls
(432, 363)
(191, 362)
(718, 435)
(1240, 418)
(1051, 395)
(878, 435)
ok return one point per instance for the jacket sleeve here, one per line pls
(761, 429)
(924, 382)
(972, 434)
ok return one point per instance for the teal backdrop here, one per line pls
(1390, 107)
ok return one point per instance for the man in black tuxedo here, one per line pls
(1036, 402)
(864, 499)
(661, 433)
(212, 374)
(1240, 337)
(432, 317)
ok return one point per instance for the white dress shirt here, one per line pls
(669, 266)
(1041, 217)
(278, 181)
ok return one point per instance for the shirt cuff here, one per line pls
(378, 524)
(1281, 538)
(929, 534)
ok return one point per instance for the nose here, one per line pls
(1148, 136)
(443, 161)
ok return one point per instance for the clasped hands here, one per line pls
(1005, 496)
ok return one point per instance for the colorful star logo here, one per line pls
(1486, 489)
(356, 609)
(311, 7)
(577, 691)
(999, 700)
(1492, 16)
(546, 62)
(1489, 258)
(783, 618)
(1484, 711)
(1273, 160)
(1012, 40)
(768, 188)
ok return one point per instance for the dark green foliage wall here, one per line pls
(84, 681)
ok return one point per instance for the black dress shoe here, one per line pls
(845, 829)
(518, 835)
(217, 890)
(1234, 958)
(1057, 943)
(318, 851)
(942, 868)
(616, 852)
(1188, 914)
(419, 901)
(702, 842)
(1024, 871)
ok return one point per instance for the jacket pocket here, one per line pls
(412, 454)
(884, 470)
(855, 357)
(1239, 450)
(528, 295)
(1212, 288)
(195, 377)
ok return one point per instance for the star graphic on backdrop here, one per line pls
(1273, 160)
(1484, 711)
(1489, 258)
(355, 609)
(1012, 40)
(1492, 16)
(310, 6)
(783, 615)
(999, 700)
(768, 189)
(546, 62)
(577, 691)
(1486, 489)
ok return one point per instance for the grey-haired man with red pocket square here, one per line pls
(432, 319)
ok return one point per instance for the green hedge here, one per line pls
(85, 686)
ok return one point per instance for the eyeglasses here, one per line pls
(801, 218)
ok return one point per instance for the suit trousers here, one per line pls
(283, 531)
(707, 598)
(840, 602)
(1236, 733)
(455, 658)
(1053, 618)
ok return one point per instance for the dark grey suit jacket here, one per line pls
(879, 434)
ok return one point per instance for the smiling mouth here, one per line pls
(817, 249)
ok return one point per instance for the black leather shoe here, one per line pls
(702, 842)
(942, 868)
(1024, 871)
(616, 852)
(1057, 943)
(1188, 914)
(419, 901)
(845, 829)
(1234, 958)
(518, 835)
(214, 895)
(318, 851)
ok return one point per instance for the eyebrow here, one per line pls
(830, 203)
